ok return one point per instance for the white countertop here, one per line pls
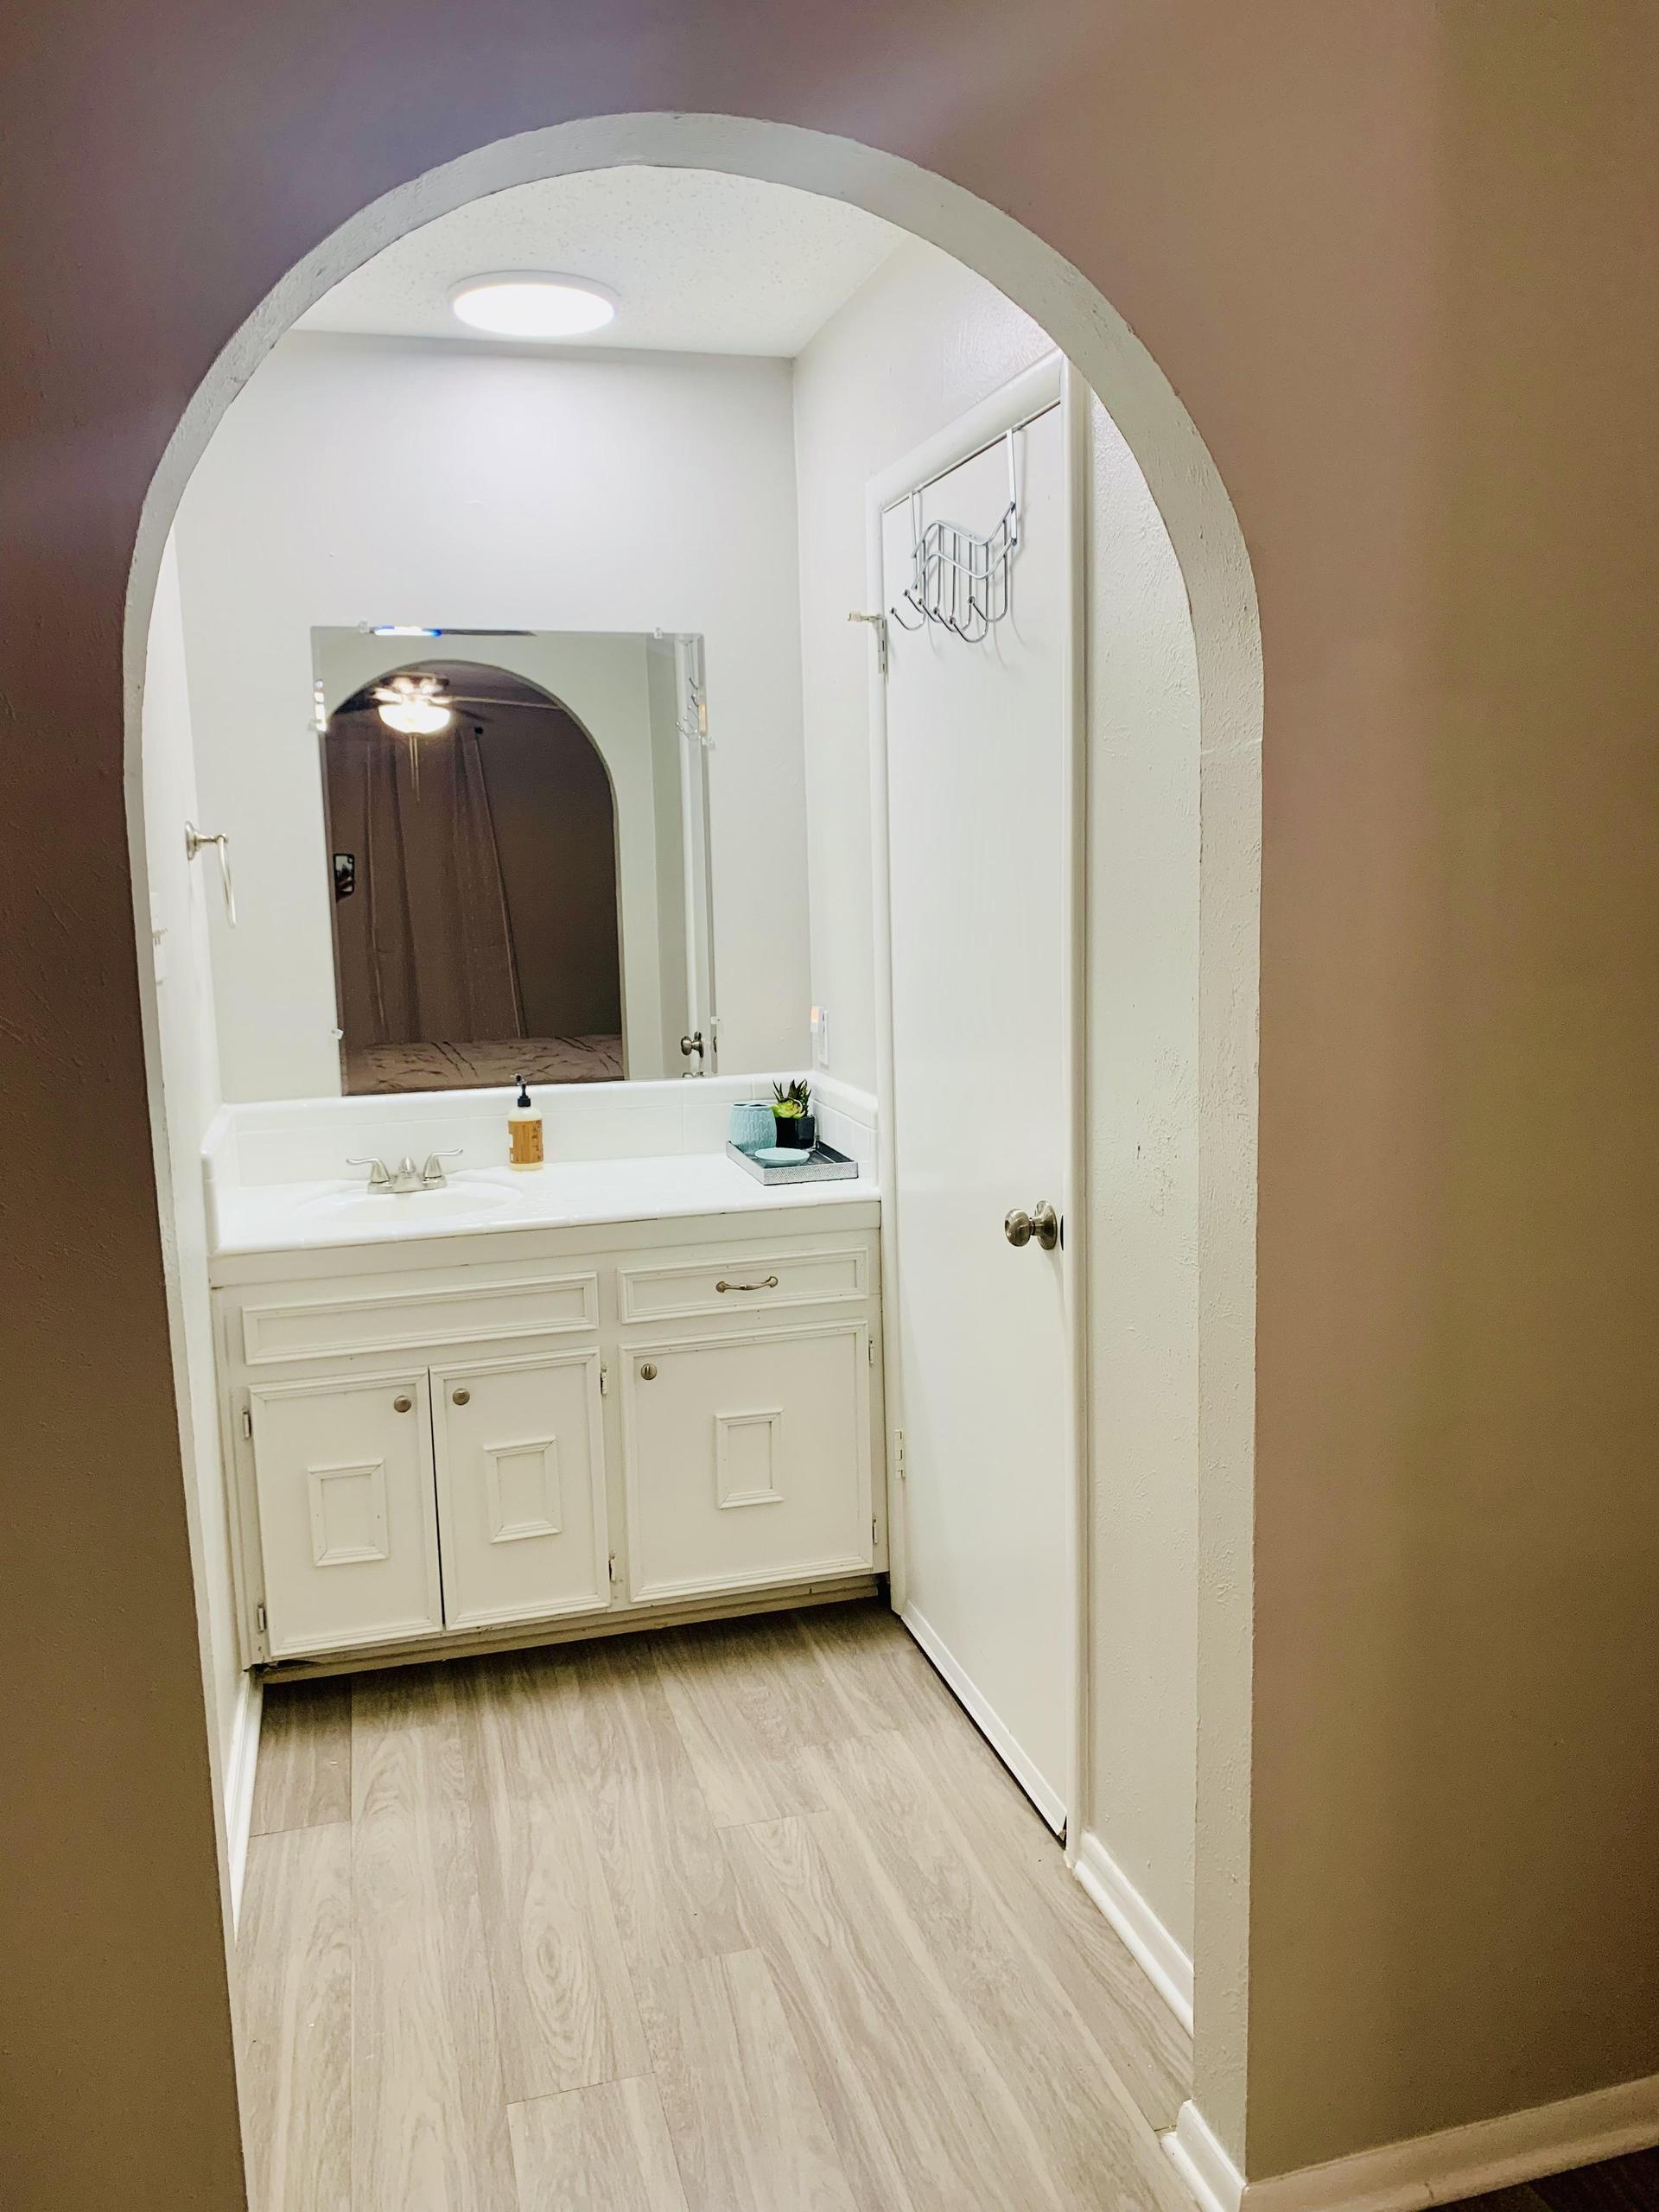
(483, 1201)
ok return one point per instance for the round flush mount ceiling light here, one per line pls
(525, 305)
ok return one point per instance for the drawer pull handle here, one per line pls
(402, 1405)
(648, 1372)
(461, 1397)
(770, 1283)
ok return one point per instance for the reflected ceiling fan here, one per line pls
(415, 706)
(423, 706)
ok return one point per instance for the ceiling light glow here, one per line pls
(416, 719)
(415, 706)
(529, 306)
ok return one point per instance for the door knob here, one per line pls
(648, 1372)
(402, 1405)
(1042, 1225)
(461, 1397)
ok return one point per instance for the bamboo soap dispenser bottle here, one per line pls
(524, 1147)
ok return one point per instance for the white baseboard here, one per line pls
(1161, 1958)
(1202, 2163)
(239, 1768)
(1047, 1801)
(1430, 2170)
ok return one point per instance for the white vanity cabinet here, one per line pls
(520, 1465)
(342, 1469)
(748, 1459)
(611, 1421)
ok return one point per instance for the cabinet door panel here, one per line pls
(748, 1460)
(521, 1489)
(347, 1525)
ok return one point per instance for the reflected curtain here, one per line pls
(428, 955)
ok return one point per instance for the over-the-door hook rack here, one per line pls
(194, 839)
(958, 580)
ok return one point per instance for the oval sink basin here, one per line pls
(409, 1209)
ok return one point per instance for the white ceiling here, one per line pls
(701, 263)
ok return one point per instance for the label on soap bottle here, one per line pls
(524, 1141)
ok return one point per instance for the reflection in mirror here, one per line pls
(517, 833)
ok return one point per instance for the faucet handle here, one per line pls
(379, 1179)
(432, 1174)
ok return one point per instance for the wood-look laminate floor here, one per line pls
(743, 1918)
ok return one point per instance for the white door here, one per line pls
(347, 1524)
(978, 752)
(748, 1460)
(521, 1489)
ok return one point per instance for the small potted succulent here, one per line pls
(793, 1116)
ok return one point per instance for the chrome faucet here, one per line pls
(406, 1176)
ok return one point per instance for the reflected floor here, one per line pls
(472, 1067)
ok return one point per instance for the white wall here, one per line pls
(607, 683)
(920, 342)
(1143, 1184)
(359, 480)
(915, 346)
(178, 892)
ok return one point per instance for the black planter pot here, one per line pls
(796, 1133)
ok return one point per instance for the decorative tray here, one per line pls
(824, 1164)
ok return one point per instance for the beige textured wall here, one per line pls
(1457, 1699)
(1396, 258)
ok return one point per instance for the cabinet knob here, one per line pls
(648, 1372)
(461, 1397)
(402, 1405)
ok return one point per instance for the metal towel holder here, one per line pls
(194, 839)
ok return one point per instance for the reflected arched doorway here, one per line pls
(474, 872)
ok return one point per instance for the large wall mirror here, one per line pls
(517, 840)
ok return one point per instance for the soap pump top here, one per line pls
(523, 1130)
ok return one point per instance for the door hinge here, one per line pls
(875, 1533)
(604, 1380)
(247, 1422)
(613, 1570)
(869, 1350)
(879, 624)
(259, 1618)
(899, 1454)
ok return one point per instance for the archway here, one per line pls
(1209, 548)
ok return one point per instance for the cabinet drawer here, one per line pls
(744, 1283)
(748, 1460)
(325, 1319)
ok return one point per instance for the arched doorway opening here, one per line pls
(1215, 573)
(473, 870)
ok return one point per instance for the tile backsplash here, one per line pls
(311, 1139)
